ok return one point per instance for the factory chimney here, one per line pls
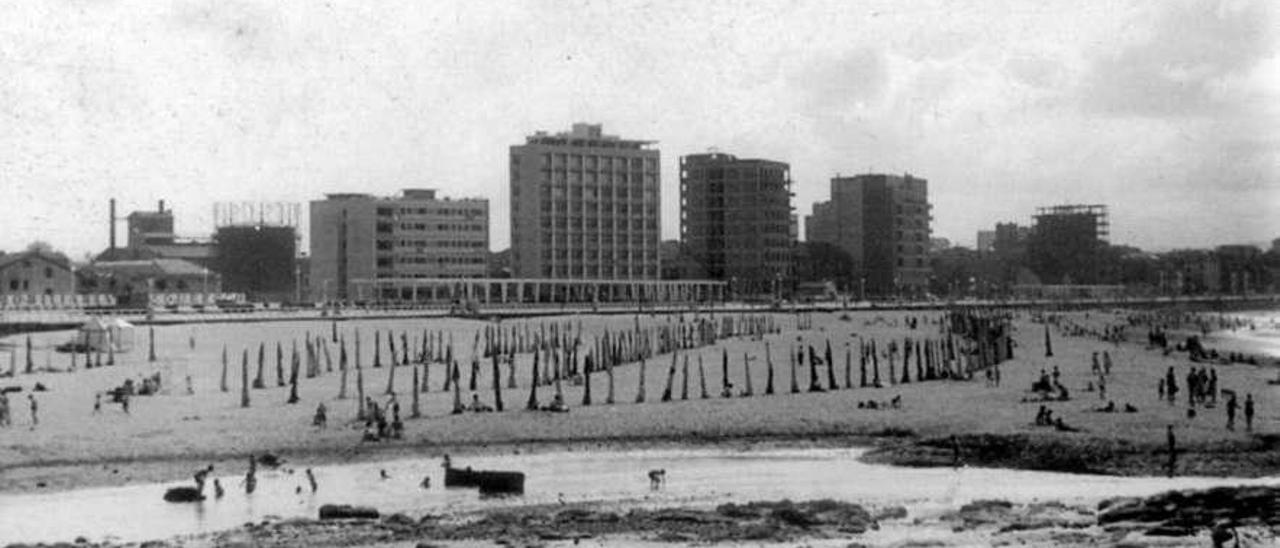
(112, 226)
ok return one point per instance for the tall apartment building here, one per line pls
(882, 222)
(1066, 243)
(358, 238)
(736, 222)
(585, 205)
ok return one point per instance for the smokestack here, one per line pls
(161, 206)
(112, 226)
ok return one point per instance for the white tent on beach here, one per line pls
(97, 334)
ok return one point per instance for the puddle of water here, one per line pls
(694, 477)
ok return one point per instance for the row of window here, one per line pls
(442, 211)
(443, 244)
(443, 227)
(442, 260)
(563, 271)
(594, 162)
(593, 223)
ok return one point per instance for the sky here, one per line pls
(1168, 112)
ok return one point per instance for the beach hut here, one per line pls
(97, 334)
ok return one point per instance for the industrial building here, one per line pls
(883, 223)
(736, 221)
(359, 239)
(585, 205)
(256, 249)
(1066, 244)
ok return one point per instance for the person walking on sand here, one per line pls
(97, 403)
(1231, 412)
(217, 489)
(1173, 450)
(1248, 412)
(251, 478)
(311, 479)
(35, 411)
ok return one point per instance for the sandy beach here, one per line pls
(166, 436)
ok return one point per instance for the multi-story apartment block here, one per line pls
(882, 222)
(358, 238)
(585, 205)
(736, 222)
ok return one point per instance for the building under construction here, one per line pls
(255, 249)
(1067, 244)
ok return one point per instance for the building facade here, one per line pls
(359, 238)
(883, 223)
(259, 261)
(585, 205)
(1066, 243)
(736, 221)
(32, 273)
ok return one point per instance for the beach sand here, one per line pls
(166, 437)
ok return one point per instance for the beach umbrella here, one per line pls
(795, 384)
(223, 384)
(244, 378)
(587, 367)
(814, 385)
(702, 378)
(532, 404)
(831, 369)
(1048, 344)
(151, 343)
(848, 365)
(511, 371)
(746, 369)
(279, 364)
(906, 360)
(768, 360)
(426, 377)
(671, 375)
(404, 347)
(111, 349)
(415, 411)
(361, 413)
(919, 361)
(640, 390)
(724, 367)
(453, 374)
(862, 364)
(257, 381)
(875, 365)
(391, 348)
(293, 375)
(684, 374)
(475, 371)
(342, 368)
(391, 379)
(333, 331)
(31, 365)
(497, 385)
(377, 349)
(609, 370)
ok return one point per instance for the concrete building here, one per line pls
(1066, 244)
(986, 241)
(358, 238)
(151, 236)
(139, 283)
(883, 223)
(32, 273)
(258, 260)
(736, 221)
(585, 205)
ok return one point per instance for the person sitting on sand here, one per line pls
(1109, 408)
(1040, 416)
(369, 434)
(321, 419)
(1063, 427)
(1129, 408)
(557, 405)
(896, 402)
(1063, 394)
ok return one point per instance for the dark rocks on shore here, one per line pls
(1185, 512)
(347, 511)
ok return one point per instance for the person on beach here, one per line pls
(321, 418)
(1172, 448)
(124, 402)
(1248, 412)
(311, 479)
(4, 410)
(217, 489)
(251, 478)
(35, 411)
(97, 403)
(1231, 412)
(201, 476)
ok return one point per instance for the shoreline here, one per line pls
(1094, 455)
